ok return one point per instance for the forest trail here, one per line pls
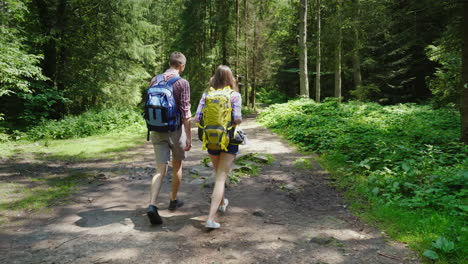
(284, 215)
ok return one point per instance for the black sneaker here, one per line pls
(153, 215)
(174, 204)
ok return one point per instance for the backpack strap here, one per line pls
(159, 78)
(173, 80)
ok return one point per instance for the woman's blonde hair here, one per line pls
(223, 77)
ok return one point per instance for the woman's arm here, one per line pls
(236, 103)
(201, 104)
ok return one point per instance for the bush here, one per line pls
(445, 83)
(271, 96)
(370, 92)
(89, 123)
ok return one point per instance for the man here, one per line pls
(177, 142)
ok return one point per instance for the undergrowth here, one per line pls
(249, 165)
(92, 122)
(402, 165)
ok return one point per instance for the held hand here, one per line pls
(237, 122)
(188, 144)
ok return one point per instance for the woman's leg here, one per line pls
(223, 168)
(215, 162)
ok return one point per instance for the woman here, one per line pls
(222, 159)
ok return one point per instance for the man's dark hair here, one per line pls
(177, 58)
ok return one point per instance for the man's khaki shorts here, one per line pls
(165, 142)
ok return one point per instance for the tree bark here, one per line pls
(317, 78)
(49, 64)
(304, 80)
(62, 17)
(357, 46)
(338, 67)
(236, 70)
(338, 55)
(254, 63)
(224, 9)
(464, 85)
(246, 61)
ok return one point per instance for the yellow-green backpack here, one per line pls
(216, 120)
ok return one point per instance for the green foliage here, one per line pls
(303, 163)
(247, 111)
(418, 228)
(39, 103)
(271, 96)
(248, 165)
(48, 193)
(430, 254)
(108, 59)
(17, 66)
(205, 161)
(366, 93)
(93, 122)
(446, 80)
(405, 155)
(105, 146)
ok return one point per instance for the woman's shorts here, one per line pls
(231, 149)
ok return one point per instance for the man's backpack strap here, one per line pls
(159, 78)
(173, 80)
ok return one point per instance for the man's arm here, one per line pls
(184, 108)
(188, 132)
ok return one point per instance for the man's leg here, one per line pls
(157, 181)
(178, 144)
(176, 177)
(162, 153)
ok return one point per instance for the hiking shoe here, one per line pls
(153, 215)
(222, 208)
(212, 224)
(174, 204)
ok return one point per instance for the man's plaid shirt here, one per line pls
(181, 92)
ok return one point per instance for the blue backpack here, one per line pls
(161, 112)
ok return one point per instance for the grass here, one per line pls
(249, 166)
(103, 134)
(38, 194)
(418, 228)
(42, 196)
(303, 163)
(99, 146)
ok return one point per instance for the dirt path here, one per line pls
(284, 215)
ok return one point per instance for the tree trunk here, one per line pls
(212, 25)
(246, 38)
(62, 17)
(304, 80)
(224, 30)
(464, 86)
(254, 62)
(338, 56)
(357, 46)
(317, 78)
(61, 57)
(236, 70)
(49, 64)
